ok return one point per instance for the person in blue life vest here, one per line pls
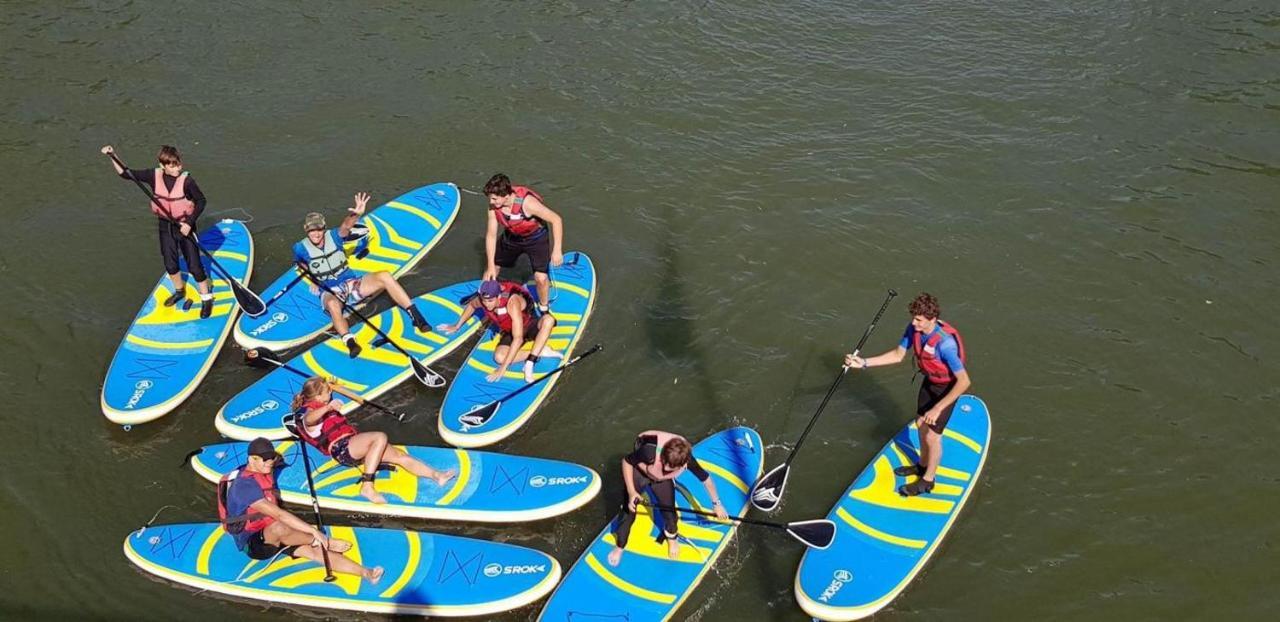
(528, 226)
(939, 354)
(181, 203)
(655, 462)
(322, 254)
(508, 306)
(329, 431)
(249, 508)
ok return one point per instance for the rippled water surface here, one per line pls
(1089, 187)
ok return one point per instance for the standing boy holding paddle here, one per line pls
(178, 204)
(529, 228)
(939, 354)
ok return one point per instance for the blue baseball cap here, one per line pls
(490, 289)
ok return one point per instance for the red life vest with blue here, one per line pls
(500, 317)
(251, 521)
(519, 223)
(176, 204)
(333, 427)
(926, 351)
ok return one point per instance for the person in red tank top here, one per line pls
(939, 354)
(528, 226)
(332, 434)
(507, 305)
(182, 202)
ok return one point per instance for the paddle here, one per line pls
(357, 232)
(248, 301)
(481, 415)
(291, 423)
(253, 355)
(766, 494)
(817, 533)
(424, 374)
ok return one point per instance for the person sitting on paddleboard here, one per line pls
(525, 221)
(939, 354)
(176, 190)
(249, 508)
(330, 432)
(321, 252)
(657, 460)
(508, 305)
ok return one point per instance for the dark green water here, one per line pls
(1089, 187)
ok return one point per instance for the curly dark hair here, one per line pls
(925, 304)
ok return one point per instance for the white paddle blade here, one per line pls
(767, 493)
(426, 375)
(479, 416)
(817, 533)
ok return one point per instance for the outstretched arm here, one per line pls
(891, 357)
(360, 202)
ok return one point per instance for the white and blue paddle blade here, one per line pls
(767, 492)
(479, 415)
(818, 533)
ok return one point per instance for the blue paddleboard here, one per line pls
(647, 585)
(401, 232)
(882, 538)
(424, 574)
(257, 410)
(167, 351)
(573, 293)
(486, 487)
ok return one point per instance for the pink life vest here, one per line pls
(657, 471)
(176, 205)
(518, 223)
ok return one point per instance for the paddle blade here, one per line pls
(250, 302)
(767, 493)
(818, 533)
(479, 416)
(426, 375)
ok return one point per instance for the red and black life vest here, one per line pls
(333, 427)
(250, 521)
(500, 317)
(519, 223)
(926, 352)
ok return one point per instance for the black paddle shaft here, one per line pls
(861, 342)
(271, 357)
(260, 306)
(575, 359)
(315, 504)
(738, 519)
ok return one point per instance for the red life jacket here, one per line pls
(176, 205)
(657, 471)
(518, 223)
(926, 351)
(255, 522)
(500, 317)
(333, 427)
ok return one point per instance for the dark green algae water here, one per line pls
(1089, 187)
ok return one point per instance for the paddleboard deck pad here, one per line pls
(486, 487)
(573, 292)
(646, 584)
(401, 231)
(167, 351)
(882, 538)
(424, 573)
(258, 410)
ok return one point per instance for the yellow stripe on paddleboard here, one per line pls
(569, 287)
(630, 588)
(953, 473)
(310, 360)
(280, 563)
(446, 303)
(410, 566)
(232, 255)
(568, 317)
(206, 550)
(460, 481)
(395, 235)
(168, 345)
(413, 210)
(877, 534)
(489, 369)
(963, 440)
(729, 477)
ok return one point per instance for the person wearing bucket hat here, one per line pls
(509, 306)
(321, 253)
(249, 509)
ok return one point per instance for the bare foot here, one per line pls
(615, 556)
(673, 548)
(443, 477)
(374, 575)
(368, 492)
(339, 546)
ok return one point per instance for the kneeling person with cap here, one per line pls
(248, 506)
(509, 306)
(321, 255)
